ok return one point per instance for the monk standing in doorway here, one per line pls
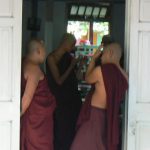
(98, 124)
(38, 103)
(64, 84)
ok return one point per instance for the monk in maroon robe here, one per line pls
(63, 82)
(38, 103)
(98, 123)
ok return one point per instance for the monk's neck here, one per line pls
(32, 60)
(60, 52)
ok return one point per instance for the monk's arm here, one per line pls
(79, 73)
(31, 85)
(94, 76)
(90, 68)
(92, 73)
(59, 79)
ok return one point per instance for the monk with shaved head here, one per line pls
(64, 84)
(38, 103)
(98, 123)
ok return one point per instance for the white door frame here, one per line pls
(126, 63)
(17, 64)
(10, 65)
(137, 37)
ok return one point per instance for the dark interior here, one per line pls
(47, 19)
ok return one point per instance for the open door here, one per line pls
(138, 39)
(10, 70)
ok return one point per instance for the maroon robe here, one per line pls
(37, 121)
(115, 86)
(92, 134)
(68, 104)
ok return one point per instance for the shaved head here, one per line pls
(69, 38)
(116, 50)
(36, 50)
(34, 45)
(112, 53)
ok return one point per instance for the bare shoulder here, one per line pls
(51, 58)
(98, 72)
(97, 69)
(31, 70)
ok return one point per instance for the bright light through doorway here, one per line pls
(81, 30)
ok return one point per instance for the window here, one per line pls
(99, 30)
(89, 22)
(81, 30)
(89, 12)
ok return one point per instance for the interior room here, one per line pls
(88, 20)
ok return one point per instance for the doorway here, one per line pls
(45, 23)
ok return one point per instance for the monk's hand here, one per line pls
(98, 52)
(100, 48)
(82, 61)
(74, 62)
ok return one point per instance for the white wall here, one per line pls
(10, 64)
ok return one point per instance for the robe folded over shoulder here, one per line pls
(37, 121)
(115, 86)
